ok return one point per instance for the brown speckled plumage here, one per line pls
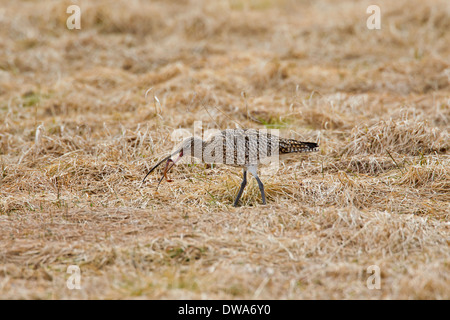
(245, 147)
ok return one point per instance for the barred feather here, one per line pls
(239, 147)
(291, 146)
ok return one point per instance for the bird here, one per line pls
(244, 148)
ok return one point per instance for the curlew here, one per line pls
(244, 148)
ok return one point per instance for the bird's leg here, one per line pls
(243, 184)
(260, 184)
(261, 188)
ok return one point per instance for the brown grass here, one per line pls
(77, 135)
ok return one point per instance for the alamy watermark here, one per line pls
(74, 20)
(374, 20)
(374, 280)
(74, 281)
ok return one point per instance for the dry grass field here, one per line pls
(78, 134)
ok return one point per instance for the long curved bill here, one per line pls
(151, 170)
(169, 164)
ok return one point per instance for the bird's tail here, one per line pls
(291, 146)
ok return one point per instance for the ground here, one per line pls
(84, 114)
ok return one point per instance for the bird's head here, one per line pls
(192, 146)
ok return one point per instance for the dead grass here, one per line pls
(404, 137)
(77, 136)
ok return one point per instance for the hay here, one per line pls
(78, 133)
